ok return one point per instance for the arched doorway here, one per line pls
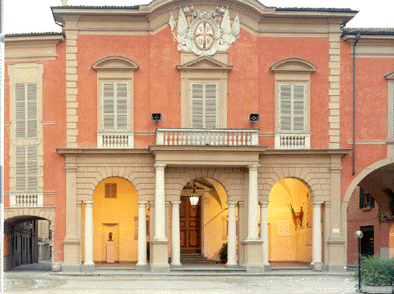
(115, 222)
(29, 238)
(203, 227)
(290, 224)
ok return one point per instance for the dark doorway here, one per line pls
(190, 226)
(367, 242)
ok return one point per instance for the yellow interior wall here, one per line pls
(297, 246)
(117, 215)
(391, 242)
(215, 222)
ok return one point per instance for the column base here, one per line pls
(88, 268)
(176, 266)
(317, 266)
(142, 267)
(253, 256)
(267, 267)
(159, 255)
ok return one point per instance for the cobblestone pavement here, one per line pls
(47, 283)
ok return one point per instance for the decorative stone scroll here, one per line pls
(204, 33)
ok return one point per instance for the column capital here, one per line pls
(160, 165)
(264, 203)
(253, 167)
(175, 202)
(88, 202)
(232, 203)
(317, 202)
(142, 202)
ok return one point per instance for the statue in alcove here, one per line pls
(110, 236)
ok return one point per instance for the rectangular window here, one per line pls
(292, 108)
(366, 199)
(115, 106)
(26, 168)
(110, 190)
(26, 118)
(204, 104)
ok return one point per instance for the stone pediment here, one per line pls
(293, 65)
(115, 63)
(389, 76)
(204, 63)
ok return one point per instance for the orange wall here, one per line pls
(371, 110)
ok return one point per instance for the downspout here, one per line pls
(354, 102)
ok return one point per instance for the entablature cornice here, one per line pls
(207, 155)
(32, 47)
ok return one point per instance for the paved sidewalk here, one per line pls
(36, 279)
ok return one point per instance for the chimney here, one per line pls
(64, 2)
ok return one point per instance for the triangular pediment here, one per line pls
(115, 63)
(204, 63)
(389, 76)
(293, 65)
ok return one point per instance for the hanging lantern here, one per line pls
(194, 197)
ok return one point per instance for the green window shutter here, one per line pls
(210, 105)
(20, 111)
(285, 109)
(20, 168)
(32, 120)
(121, 106)
(108, 106)
(361, 197)
(197, 104)
(372, 202)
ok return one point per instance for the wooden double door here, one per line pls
(190, 226)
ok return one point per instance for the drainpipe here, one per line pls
(354, 102)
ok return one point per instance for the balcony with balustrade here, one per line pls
(288, 141)
(26, 199)
(207, 137)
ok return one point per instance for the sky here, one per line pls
(27, 16)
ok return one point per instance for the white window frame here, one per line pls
(204, 105)
(115, 103)
(26, 167)
(26, 120)
(292, 108)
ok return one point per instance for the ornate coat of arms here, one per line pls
(204, 33)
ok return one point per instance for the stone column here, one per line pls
(253, 203)
(264, 232)
(253, 254)
(71, 241)
(142, 263)
(232, 235)
(160, 209)
(160, 241)
(175, 235)
(88, 265)
(316, 236)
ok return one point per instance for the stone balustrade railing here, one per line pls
(115, 140)
(292, 141)
(207, 137)
(26, 200)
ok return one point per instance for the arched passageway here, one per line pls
(290, 216)
(115, 222)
